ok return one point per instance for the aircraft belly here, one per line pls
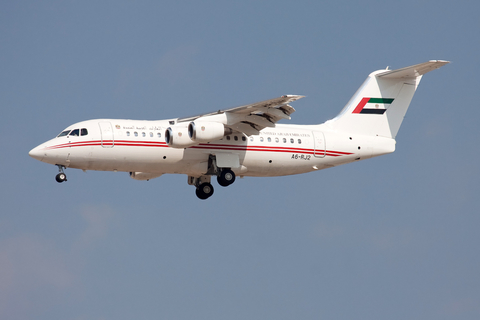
(112, 159)
(268, 164)
(138, 159)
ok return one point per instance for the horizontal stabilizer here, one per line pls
(413, 71)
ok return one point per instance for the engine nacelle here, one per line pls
(144, 175)
(177, 137)
(206, 131)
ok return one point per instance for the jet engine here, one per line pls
(177, 137)
(207, 131)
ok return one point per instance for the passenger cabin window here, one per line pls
(159, 134)
(128, 133)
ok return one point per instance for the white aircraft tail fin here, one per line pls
(379, 105)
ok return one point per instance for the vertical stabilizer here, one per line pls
(379, 105)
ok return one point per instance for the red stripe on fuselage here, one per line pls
(129, 143)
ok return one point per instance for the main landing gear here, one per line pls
(204, 188)
(204, 191)
(226, 177)
(61, 176)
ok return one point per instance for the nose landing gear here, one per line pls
(61, 176)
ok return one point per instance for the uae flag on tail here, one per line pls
(373, 105)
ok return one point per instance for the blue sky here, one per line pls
(393, 237)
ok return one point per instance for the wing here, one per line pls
(251, 118)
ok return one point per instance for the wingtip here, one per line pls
(440, 63)
(293, 96)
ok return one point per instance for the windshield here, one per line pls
(64, 133)
(74, 133)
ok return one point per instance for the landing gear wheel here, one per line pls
(204, 191)
(226, 177)
(61, 177)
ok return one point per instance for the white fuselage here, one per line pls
(139, 146)
(242, 141)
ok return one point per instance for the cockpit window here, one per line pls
(75, 133)
(64, 133)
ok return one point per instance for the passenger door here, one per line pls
(106, 131)
(320, 146)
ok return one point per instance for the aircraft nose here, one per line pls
(37, 153)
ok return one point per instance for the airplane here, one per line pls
(245, 141)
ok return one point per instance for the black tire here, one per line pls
(226, 177)
(61, 177)
(204, 191)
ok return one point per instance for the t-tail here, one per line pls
(379, 105)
